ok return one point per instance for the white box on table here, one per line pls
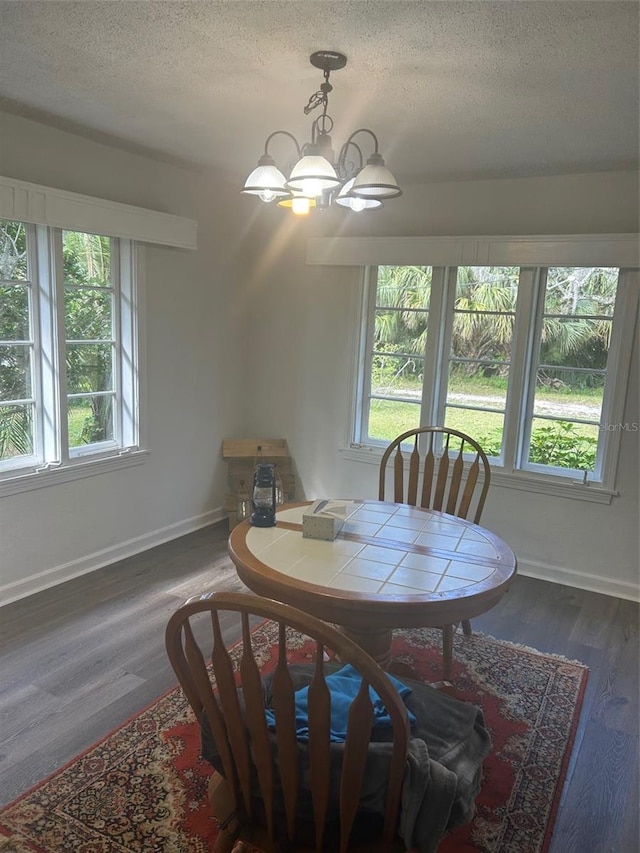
(324, 518)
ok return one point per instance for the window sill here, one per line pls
(542, 484)
(39, 479)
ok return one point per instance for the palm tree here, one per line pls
(485, 304)
(584, 297)
(402, 301)
(484, 310)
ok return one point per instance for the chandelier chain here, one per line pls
(321, 97)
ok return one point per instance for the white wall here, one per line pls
(194, 331)
(267, 351)
(302, 334)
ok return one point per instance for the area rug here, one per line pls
(143, 788)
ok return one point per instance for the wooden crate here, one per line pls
(242, 455)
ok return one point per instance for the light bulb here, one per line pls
(267, 195)
(312, 187)
(300, 205)
(357, 204)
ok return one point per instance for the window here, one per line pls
(68, 354)
(525, 359)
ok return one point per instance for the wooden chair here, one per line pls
(236, 720)
(439, 478)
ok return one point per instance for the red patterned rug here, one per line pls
(143, 788)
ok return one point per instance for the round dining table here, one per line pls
(391, 566)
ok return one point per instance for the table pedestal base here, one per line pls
(376, 643)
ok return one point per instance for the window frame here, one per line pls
(53, 461)
(505, 470)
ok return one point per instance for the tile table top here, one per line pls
(384, 549)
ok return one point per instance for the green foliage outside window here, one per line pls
(16, 435)
(88, 317)
(559, 445)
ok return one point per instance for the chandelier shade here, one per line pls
(318, 179)
(312, 175)
(345, 198)
(375, 181)
(266, 181)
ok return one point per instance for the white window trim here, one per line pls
(26, 202)
(49, 475)
(617, 250)
(592, 250)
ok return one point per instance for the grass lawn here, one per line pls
(77, 417)
(388, 418)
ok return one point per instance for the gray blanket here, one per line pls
(444, 768)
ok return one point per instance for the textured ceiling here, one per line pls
(453, 89)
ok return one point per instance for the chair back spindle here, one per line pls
(284, 709)
(319, 744)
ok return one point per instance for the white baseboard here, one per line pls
(59, 574)
(580, 580)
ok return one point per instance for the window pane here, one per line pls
(89, 368)
(480, 355)
(570, 377)
(388, 418)
(400, 331)
(581, 290)
(476, 384)
(397, 376)
(90, 419)
(88, 314)
(404, 287)
(483, 337)
(13, 250)
(16, 421)
(14, 313)
(15, 372)
(569, 394)
(87, 258)
(484, 309)
(563, 444)
(485, 427)
(397, 357)
(575, 343)
(16, 431)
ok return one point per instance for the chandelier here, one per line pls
(318, 179)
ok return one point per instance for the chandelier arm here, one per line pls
(342, 158)
(363, 130)
(283, 133)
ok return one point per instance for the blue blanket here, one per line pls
(343, 686)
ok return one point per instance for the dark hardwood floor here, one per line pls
(79, 659)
